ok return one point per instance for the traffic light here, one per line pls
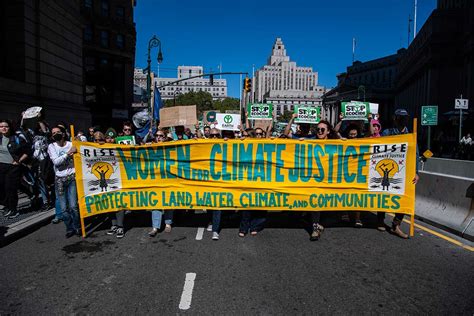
(247, 84)
(211, 80)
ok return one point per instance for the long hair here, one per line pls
(332, 134)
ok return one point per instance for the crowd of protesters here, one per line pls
(39, 161)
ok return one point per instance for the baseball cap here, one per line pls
(111, 133)
(401, 112)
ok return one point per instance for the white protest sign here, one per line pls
(227, 122)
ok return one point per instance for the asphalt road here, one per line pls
(349, 271)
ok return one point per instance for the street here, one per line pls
(279, 271)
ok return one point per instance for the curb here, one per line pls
(19, 229)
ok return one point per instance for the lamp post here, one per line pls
(154, 42)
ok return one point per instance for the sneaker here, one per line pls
(209, 228)
(215, 236)
(381, 228)
(358, 224)
(70, 234)
(316, 233)
(120, 232)
(112, 230)
(168, 228)
(153, 232)
(8, 213)
(55, 221)
(345, 217)
(14, 215)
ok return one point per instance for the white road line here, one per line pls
(187, 295)
(199, 233)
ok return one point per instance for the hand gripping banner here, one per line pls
(370, 174)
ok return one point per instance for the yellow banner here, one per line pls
(370, 174)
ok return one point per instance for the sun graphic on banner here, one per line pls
(102, 171)
(387, 167)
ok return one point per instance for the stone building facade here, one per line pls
(285, 84)
(41, 60)
(218, 89)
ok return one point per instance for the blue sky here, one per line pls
(240, 34)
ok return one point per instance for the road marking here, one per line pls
(451, 240)
(447, 238)
(199, 233)
(187, 295)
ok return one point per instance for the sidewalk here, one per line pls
(28, 219)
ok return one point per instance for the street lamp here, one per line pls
(154, 42)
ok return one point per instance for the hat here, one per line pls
(111, 133)
(401, 112)
(376, 122)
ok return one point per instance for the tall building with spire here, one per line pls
(285, 84)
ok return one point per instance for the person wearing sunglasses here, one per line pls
(214, 133)
(157, 215)
(99, 138)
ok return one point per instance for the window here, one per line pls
(120, 13)
(88, 33)
(88, 4)
(104, 38)
(120, 41)
(104, 7)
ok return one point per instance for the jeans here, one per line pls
(69, 207)
(216, 220)
(118, 218)
(157, 215)
(43, 190)
(57, 208)
(253, 220)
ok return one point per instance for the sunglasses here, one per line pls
(258, 133)
(215, 135)
(320, 130)
(127, 129)
(99, 140)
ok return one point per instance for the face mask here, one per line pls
(57, 137)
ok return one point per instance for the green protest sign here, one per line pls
(260, 111)
(125, 140)
(355, 110)
(307, 114)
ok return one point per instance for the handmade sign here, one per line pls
(307, 114)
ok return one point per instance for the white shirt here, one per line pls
(466, 140)
(63, 164)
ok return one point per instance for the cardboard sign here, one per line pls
(227, 122)
(125, 140)
(209, 117)
(178, 116)
(307, 114)
(355, 110)
(260, 111)
(266, 125)
(374, 108)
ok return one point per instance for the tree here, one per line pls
(226, 104)
(203, 101)
(285, 117)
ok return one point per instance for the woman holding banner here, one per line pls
(61, 152)
(157, 215)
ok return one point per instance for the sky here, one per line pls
(240, 34)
